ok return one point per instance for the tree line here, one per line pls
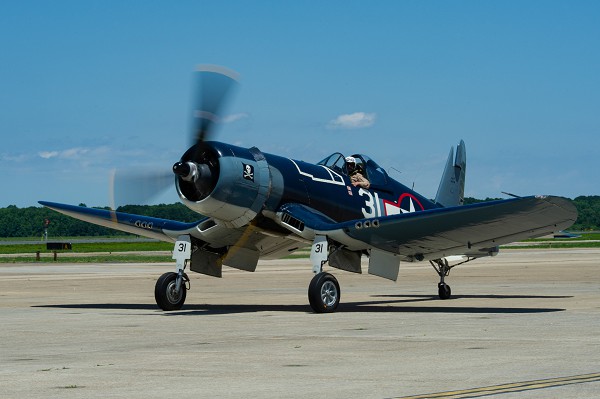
(31, 221)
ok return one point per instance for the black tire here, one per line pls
(164, 292)
(444, 291)
(324, 293)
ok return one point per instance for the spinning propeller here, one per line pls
(213, 86)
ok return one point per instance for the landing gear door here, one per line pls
(318, 253)
(182, 251)
(384, 264)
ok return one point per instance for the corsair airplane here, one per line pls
(258, 205)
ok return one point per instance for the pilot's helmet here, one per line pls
(351, 160)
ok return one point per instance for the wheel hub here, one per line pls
(329, 293)
(173, 295)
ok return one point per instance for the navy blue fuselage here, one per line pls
(325, 186)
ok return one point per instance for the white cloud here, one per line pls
(356, 120)
(71, 153)
(13, 157)
(48, 154)
(234, 117)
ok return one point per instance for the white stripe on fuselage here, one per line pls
(338, 182)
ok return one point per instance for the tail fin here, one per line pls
(451, 191)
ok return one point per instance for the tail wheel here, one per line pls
(166, 294)
(444, 291)
(324, 293)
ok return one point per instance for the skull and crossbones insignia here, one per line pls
(248, 172)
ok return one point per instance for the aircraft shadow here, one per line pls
(375, 306)
(487, 296)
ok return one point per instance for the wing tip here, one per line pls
(565, 204)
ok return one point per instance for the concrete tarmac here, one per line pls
(525, 324)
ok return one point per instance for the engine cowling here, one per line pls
(228, 183)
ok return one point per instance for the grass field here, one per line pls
(555, 244)
(90, 247)
(583, 236)
(114, 258)
(93, 252)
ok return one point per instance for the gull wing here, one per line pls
(160, 229)
(473, 230)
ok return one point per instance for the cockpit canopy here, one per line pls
(373, 172)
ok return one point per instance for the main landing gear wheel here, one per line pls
(324, 293)
(165, 292)
(444, 291)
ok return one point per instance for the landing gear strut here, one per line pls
(324, 289)
(170, 289)
(442, 268)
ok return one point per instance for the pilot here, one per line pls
(356, 173)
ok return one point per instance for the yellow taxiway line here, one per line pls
(511, 387)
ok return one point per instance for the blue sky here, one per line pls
(88, 86)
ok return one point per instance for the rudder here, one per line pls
(451, 190)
